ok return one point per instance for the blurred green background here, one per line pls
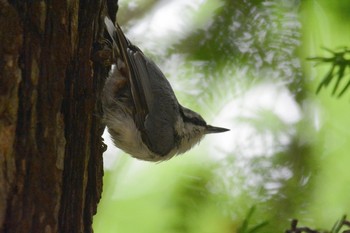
(243, 65)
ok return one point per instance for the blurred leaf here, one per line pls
(338, 225)
(339, 62)
(244, 228)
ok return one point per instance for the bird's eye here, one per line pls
(192, 117)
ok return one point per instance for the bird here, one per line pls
(140, 109)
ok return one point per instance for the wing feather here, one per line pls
(124, 45)
(156, 106)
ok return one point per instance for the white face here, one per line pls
(190, 135)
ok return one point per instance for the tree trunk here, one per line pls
(50, 116)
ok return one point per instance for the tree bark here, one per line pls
(50, 115)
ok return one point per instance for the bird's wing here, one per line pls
(155, 103)
(137, 91)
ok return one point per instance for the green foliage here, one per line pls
(234, 46)
(340, 62)
(245, 225)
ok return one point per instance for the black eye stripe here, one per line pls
(193, 120)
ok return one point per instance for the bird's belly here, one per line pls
(127, 137)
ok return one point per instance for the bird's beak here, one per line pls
(214, 129)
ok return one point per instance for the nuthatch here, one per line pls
(140, 108)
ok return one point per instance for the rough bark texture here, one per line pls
(50, 126)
